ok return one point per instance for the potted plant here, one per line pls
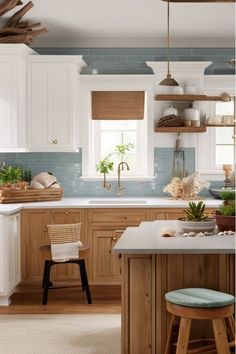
(225, 213)
(105, 166)
(196, 220)
(9, 176)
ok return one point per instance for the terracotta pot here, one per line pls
(225, 223)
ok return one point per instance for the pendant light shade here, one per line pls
(168, 81)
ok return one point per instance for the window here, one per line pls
(224, 144)
(106, 134)
(98, 137)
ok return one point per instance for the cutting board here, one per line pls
(30, 195)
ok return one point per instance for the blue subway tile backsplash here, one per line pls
(67, 167)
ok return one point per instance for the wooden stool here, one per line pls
(64, 236)
(201, 304)
(48, 263)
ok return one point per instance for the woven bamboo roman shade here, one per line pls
(111, 105)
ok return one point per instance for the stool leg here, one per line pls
(82, 276)
(46, 284)
(183, 337)
(222, 345)
(230, 326)
(44, 276)
(86, 285)
(170, 335)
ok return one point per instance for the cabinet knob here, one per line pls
(45, 230)
(67, 212)
(54, 141)
(114, 238)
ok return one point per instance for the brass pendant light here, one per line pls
(168, 81)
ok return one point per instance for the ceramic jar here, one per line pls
(191, 113)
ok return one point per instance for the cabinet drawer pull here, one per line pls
(54, 141)
(67, 212)
(114, 238)
(45, 230)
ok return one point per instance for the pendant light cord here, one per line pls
(168, 38)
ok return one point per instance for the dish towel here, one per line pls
(62, 252)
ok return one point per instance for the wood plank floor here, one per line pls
(28, 298)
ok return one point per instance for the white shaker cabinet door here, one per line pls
(12, 103)
(51, 106)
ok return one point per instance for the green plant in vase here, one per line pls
(10, 175)
(105, 166)
(225, 213)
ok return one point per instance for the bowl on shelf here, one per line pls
(216, 192)
(196, 226)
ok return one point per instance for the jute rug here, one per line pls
(60, 334)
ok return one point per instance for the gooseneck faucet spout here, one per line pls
(121, 166)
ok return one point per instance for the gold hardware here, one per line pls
(55, 141)
(114, 238)
(67, 212)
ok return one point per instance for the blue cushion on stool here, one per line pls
(199, 297)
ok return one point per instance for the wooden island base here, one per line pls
(146, 279)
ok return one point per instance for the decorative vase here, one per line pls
(225, 223)
(196, 226)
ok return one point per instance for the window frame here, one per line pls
(213, 85)
(89, 83)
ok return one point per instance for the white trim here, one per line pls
(88, 83)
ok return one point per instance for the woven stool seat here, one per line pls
(199, 297)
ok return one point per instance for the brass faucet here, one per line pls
(119, 188)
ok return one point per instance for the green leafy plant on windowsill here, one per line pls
(9, 176)
(106, 164)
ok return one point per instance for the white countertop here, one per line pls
(145, 239)
(119, 202)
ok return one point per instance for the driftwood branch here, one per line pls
(8, 5)
(15, 30)
(18, 15)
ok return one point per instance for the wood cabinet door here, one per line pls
(33, 235)
(106, 264)
(71, 216)
(156, 214)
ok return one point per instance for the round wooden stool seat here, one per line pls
(201, 304)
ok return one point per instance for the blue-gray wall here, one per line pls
(133, 60)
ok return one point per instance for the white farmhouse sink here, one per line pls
(117, 201)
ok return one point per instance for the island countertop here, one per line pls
(118, 202)
(145, 239)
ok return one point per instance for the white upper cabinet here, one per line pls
(13, 96)
(52, 106)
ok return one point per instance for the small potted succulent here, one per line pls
(9, 176)
(225, 213)
(196, 220)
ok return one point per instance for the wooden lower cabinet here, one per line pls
(34, 234)
(106, 264)
(101, 229)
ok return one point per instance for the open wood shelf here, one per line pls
(219, 126)
(180, 129)
(164, 97)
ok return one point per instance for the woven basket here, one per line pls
(64, 233)
(171, 121)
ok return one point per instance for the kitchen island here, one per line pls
(153, 265)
